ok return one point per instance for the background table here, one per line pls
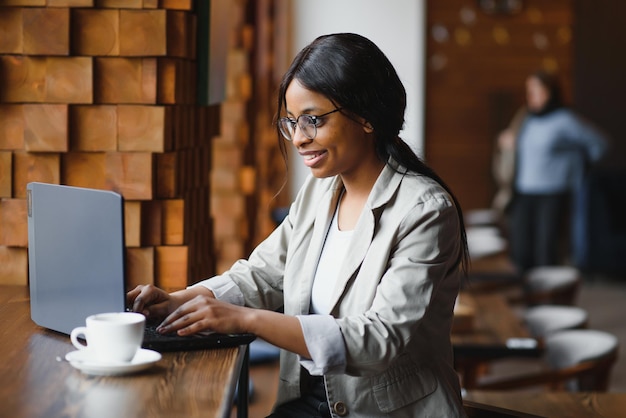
(555, 404)
(495, 332)
(34, 383)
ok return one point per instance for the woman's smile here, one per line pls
(312, 158)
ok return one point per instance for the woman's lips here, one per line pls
(312, 158)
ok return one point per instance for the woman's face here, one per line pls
(341, 146)
(537, 95)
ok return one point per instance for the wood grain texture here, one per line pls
(125, 80)
(95, 32)
(182, 384)
(13, 271)
(69, 80)
(46, 31)
(93, 128)
(84, 169)
(13, 223)
(143, 33)
(28, 167)
(132, 223)
(6, 174)
(11, 127)
(171, 267)
(139, 266)
(142, 128)
(46, 127)
(11, 34)
(129, 174)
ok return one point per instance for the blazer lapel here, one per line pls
(383, 189)
(320, 229)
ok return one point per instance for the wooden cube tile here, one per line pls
(139, 266)
(173, 221)
(69, 80)
(132, 223)
(151, 223)
(179, 35)
(143, 33)
(13, 223)
(46, 31)
(142, 128)
(93, 128)
(150, 4)
(119, 4)
(125, 80)
(70, 3)
(32, 166)
(177, 4)
(11, 127)
(169, 81)
(166, 175)
(129, 174)
(46, 127)
(84, 169)
(13, 266)
(6, 173)
(23, 79)
(27, 3)
(95, 32)
(171, 267)
(11, 34)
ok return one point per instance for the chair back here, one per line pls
(543, 320)
(591, 353)
(556, 285)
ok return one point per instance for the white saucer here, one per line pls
(80, 359)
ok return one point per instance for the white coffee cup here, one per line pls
(111, 337)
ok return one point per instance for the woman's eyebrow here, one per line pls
(306, 111)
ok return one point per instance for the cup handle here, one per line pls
(74, 337)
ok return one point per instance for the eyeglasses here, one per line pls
(306, 123)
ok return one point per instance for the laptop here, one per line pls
(76, 264)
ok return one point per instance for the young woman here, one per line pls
(554, 148)
(357, 285)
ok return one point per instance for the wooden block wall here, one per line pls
(101, 94)
(247, 168)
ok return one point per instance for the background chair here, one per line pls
(543, 320)
(549, 285)
(576, 360)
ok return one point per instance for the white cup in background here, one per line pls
(111, 337)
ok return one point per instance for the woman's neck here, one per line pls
(356, 193)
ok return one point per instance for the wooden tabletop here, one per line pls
(555, 404)
(495, 329)
(487, 328)
(34, 383)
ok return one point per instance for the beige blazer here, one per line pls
(393, 301)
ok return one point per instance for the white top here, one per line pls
(334, 252)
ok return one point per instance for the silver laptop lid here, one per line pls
(75, 254)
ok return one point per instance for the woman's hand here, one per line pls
(149, 300)
(207, 313)
(157, 303)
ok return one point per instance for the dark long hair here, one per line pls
(551, 83)
(354, 74)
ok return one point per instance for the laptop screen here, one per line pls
(75, 254)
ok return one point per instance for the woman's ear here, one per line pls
(368, 128)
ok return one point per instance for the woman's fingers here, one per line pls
(144, 296)
(202, 313)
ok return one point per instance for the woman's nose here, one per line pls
(298, 137)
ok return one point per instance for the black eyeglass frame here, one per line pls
(313, 120)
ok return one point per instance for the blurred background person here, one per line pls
(546, 153)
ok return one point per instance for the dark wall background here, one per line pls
(600, 70)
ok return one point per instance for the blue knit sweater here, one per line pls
(553, 152)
